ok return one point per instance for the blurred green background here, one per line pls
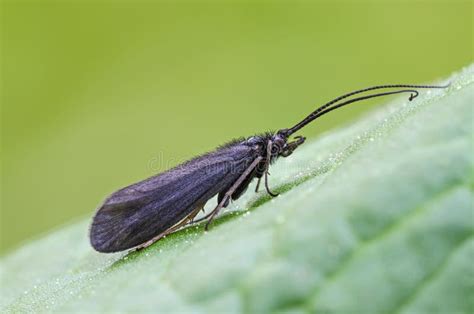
(97, 95)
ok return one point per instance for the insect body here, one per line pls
(142, 213)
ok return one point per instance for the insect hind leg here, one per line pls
(174, 228)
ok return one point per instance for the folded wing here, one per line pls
(141, 211)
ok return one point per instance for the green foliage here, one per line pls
(376, 217)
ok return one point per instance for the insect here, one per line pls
(142, 213)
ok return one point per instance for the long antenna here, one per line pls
(327, 107)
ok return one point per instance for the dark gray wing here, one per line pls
(141, 211)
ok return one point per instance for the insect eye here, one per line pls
(275, 148)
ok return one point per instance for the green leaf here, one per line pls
(376, 217)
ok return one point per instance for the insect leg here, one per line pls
(232, 189)
(200, 219)
(267, 187)
(183, 222)
(190, 222)
(267, 165)
(258, 184)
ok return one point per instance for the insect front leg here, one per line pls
(267, 165)
(258, 184)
